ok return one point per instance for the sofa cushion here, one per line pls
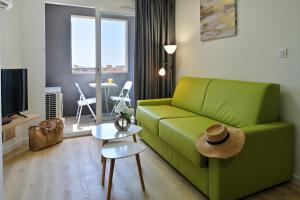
(181, 134)
(190, 93)
(240, 103)
(149, 116)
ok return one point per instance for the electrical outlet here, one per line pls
(282, 53)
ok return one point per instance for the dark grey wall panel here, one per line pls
(58, 57)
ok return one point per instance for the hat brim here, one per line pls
(231, 147)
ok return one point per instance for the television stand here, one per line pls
(9, 129)
(6, 120)
(22, 115)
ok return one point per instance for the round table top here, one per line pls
(121, 149)
(104, 85)
(108, 131)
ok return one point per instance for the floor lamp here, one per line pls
(170, 49)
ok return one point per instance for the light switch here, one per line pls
(282, 53)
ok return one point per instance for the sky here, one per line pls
(113, 42)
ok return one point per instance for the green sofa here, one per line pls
(170, 127)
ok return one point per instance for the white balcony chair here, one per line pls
(84, 102)
(124, 95)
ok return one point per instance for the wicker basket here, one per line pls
(46, 134)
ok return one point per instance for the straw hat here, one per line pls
(219, 141)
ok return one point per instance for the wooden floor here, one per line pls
(71, 171)
(72, 129)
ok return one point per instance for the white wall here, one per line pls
(12, 57)
(1, 155)
(11, 37)
(263, 27)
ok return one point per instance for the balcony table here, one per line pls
(106, 87)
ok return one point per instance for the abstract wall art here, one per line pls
(218, 19)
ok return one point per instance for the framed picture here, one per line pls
(218, 19)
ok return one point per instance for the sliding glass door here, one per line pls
(115, 72)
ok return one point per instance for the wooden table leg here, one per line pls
(104, 142)
(138, 162)
(103, 170)
(111, 173)
(134, 138)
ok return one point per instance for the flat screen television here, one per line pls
(14, 92)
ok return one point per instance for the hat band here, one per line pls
(219, 142)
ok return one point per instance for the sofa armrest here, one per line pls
(154, 102)
(267, 159)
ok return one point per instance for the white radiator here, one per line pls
(54, 103)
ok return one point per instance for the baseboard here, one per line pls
(296, 180)
(25, 141)
(16, 152)
(15, 145)
(78, 134)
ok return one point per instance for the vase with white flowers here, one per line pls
(123, 116)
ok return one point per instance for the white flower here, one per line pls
(123, 108)
(130, 111)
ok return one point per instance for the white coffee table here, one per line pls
(117, 150)
(107, 132)
(112, 149)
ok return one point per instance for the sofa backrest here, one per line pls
(240, 103)
(190, 93)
